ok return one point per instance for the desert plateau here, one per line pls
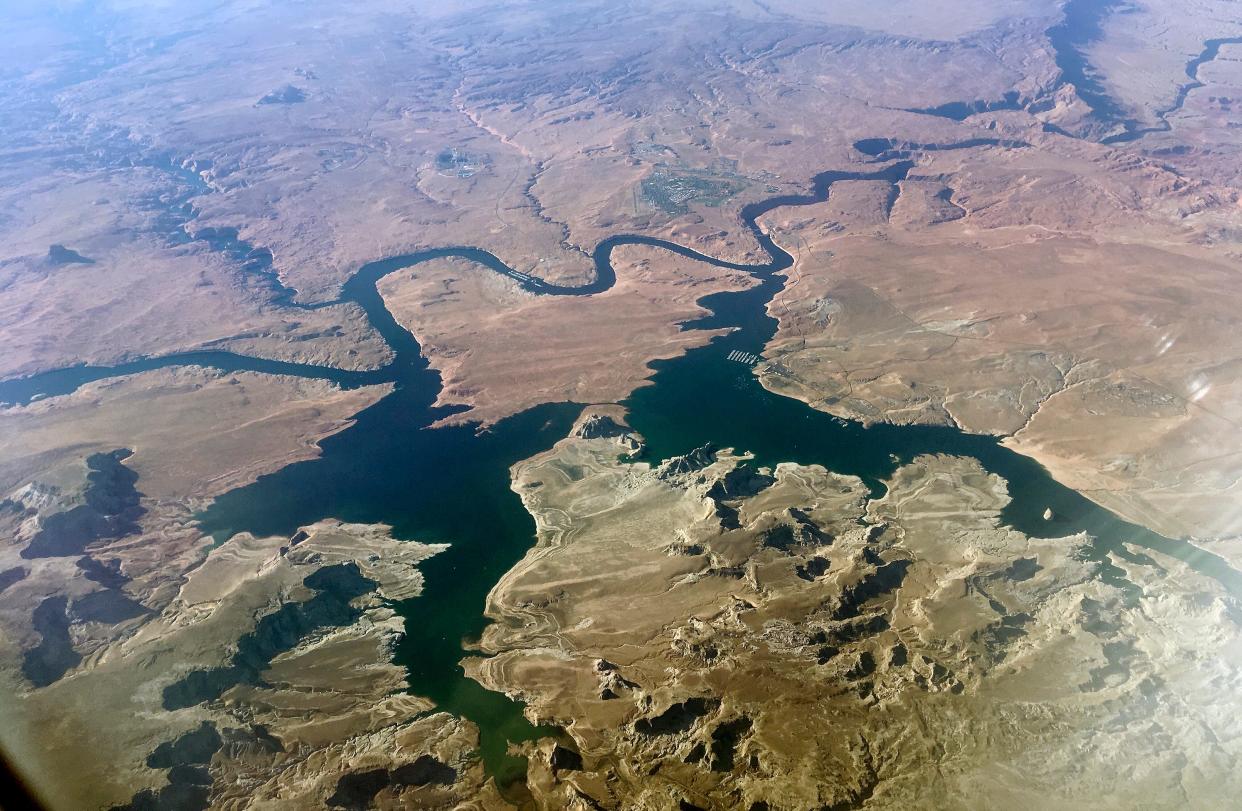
(533, 404)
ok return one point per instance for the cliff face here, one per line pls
(1057, 266)
(266, 680)
(718, 637)
(1036, 288)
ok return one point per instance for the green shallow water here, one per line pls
(434, 485)
(452, 484)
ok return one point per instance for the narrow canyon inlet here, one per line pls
(547, 405)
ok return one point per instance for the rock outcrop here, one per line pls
(897, 651)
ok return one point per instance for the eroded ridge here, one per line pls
(281, 498)
(723, 635)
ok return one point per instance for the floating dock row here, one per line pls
(744, 357)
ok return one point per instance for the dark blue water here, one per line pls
(452, 484)
(1082, 23)
(1211, 50)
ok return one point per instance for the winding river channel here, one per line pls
(452, 484)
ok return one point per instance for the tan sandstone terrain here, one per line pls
(502, 350)
(1058, 267)
(127, 594)
(978, 302)
(713, 635)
